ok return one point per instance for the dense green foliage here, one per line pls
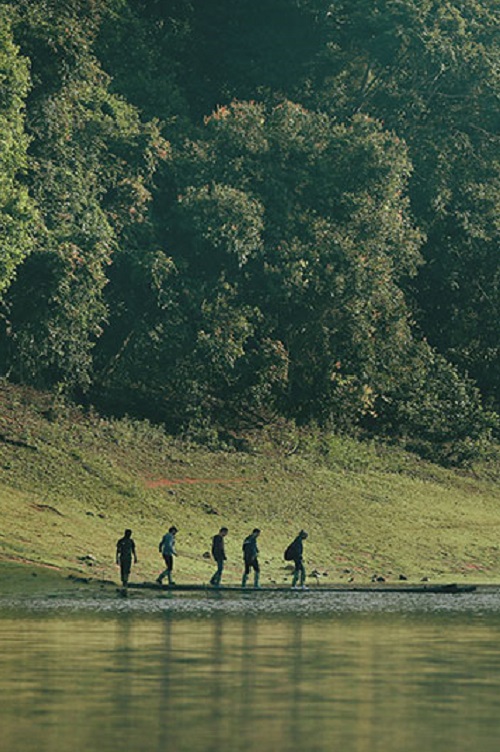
(16, 208)
(222, 212)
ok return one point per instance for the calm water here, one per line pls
(318, 673)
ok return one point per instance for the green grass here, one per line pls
(70, 483)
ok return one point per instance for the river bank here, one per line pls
(72, 481)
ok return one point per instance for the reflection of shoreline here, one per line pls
(223, 684)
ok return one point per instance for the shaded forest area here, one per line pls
(216, 214)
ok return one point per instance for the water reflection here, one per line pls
(394, 682)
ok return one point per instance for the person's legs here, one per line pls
(170, 567)
(248, 564)
(297, 570)
(125, 566)
(220, 569)
(167, 572)
(302, 574)
(216, 578)
(256, 570)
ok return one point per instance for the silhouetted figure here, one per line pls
(125, 551)
(219, 555)
(250, 554)
(167, 550)
(295, 552)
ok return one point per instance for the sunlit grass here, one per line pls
(70, 483)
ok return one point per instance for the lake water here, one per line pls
(279, 672)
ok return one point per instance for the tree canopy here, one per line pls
(17, 210)
(216, 213)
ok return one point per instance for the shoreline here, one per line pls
(26, 580)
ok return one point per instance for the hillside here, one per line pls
(71, 483)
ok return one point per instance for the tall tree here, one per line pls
(16, 208)
(290, 239)
(430, 71)
(288, 236)
(90, 161)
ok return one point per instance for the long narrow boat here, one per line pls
(451, 588)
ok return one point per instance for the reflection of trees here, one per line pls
(249, 673)
(232, 683)
(165, 714)
(217, 669)
(123, 668)
(295, 654)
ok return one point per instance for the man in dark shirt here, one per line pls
(250, 554)
(219, 555)
(125, 550)
(296, 553)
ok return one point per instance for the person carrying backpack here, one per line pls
(295, 552)
(219, 554)
(250, 554)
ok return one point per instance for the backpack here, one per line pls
(290, 551)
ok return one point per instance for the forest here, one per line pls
(216, 214)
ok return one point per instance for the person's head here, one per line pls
(172, 530)
(255, 532)
(223, 531)
(128, 533)
(303, 534)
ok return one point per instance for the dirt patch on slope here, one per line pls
(162, 482)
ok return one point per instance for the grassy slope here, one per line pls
(69, 485)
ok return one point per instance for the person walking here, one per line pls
(167, 550)
(219, 554)
(125, 551)
(295, 553)
(250, 554)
